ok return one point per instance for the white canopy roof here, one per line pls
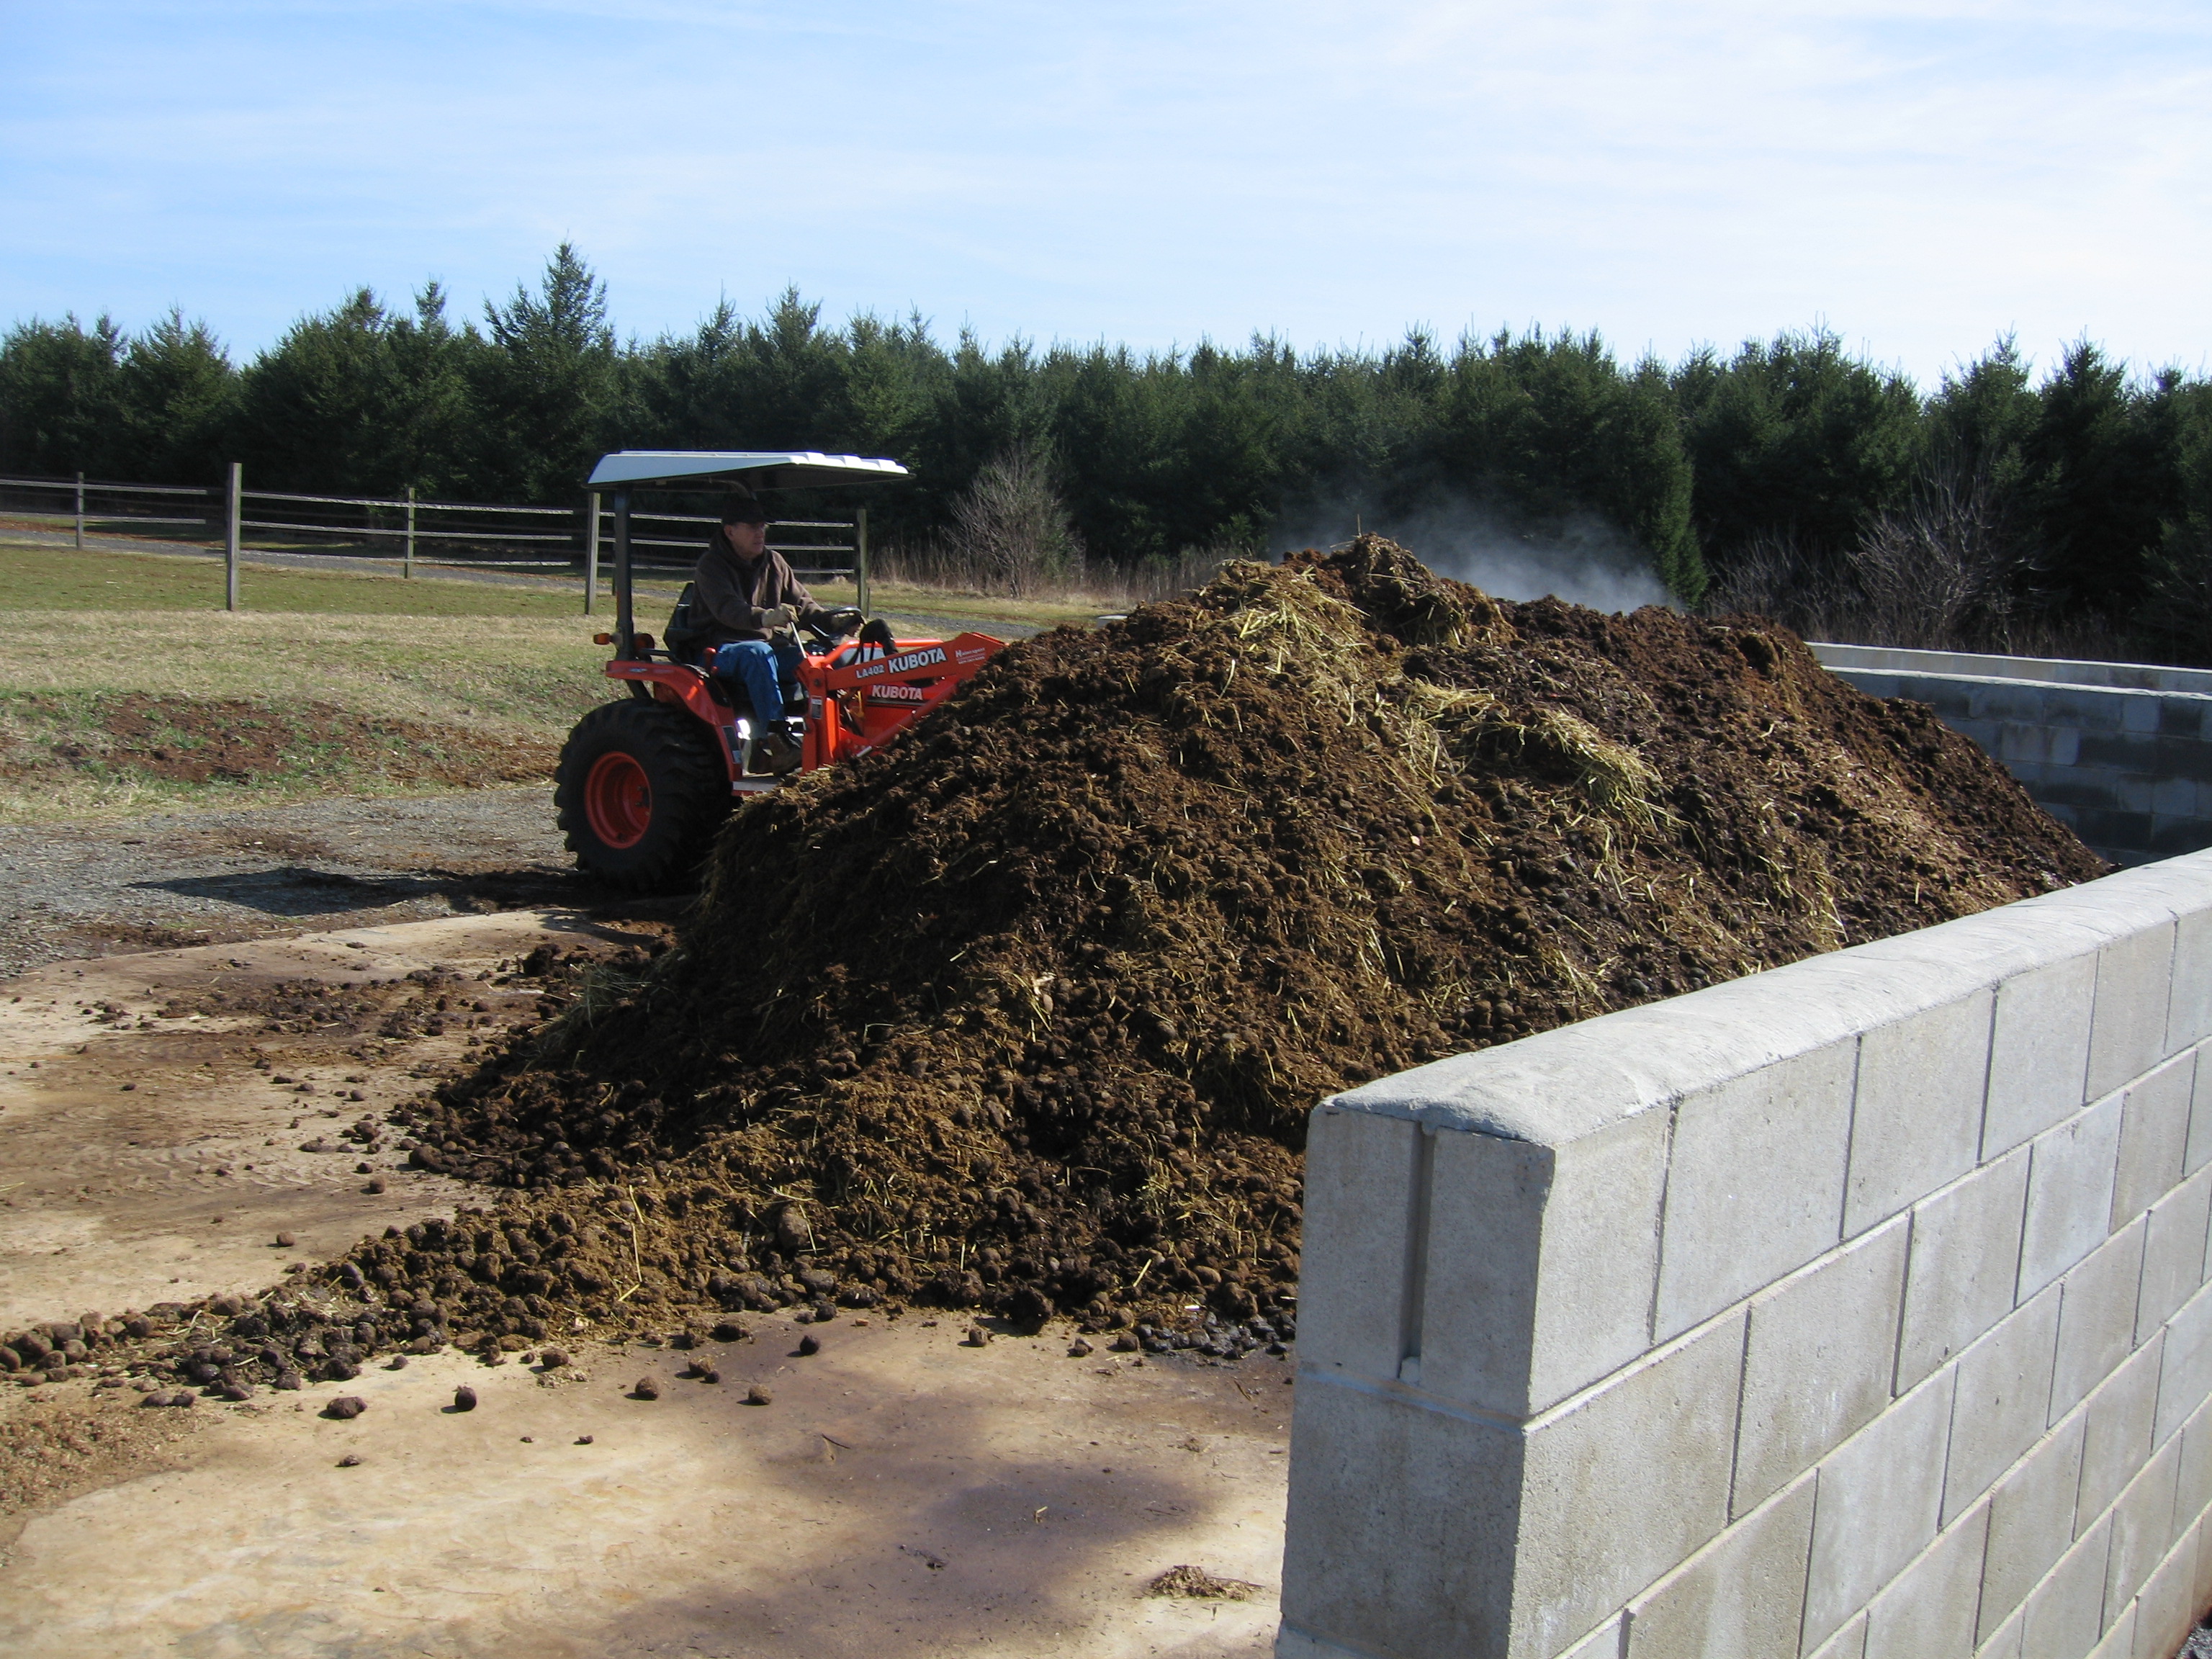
(761, 469)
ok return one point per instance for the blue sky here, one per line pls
(1919, 177)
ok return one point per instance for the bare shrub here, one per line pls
(1011, 527)
(942, 562)
(2179, 615)
(1939, 573)
(1773, 575)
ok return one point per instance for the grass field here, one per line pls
(44, 578)
(124, 688)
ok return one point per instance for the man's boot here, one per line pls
(776, 750)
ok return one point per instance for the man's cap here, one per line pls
(742, 506)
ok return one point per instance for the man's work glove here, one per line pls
(776, 615)
(845, 619)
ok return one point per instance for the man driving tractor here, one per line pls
(754, 602)
(646, 780)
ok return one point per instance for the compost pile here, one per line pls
(1026, 1012)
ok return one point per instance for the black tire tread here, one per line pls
(690, 792)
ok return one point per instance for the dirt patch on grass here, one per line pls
(53, 738)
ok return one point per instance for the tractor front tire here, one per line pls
(640, 791)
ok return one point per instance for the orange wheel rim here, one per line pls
(619, 800)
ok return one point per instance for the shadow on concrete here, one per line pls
(948, 1546)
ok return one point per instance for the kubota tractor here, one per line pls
(645, 780)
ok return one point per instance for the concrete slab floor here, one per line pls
(903, 1493)
(145, 1160)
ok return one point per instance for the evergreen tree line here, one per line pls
(2000, 508)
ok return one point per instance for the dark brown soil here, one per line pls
(1026, 1013)
(198, 741)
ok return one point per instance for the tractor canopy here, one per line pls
(663, 468)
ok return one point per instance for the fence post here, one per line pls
(591, 549)
(230, 539)
(860, 558)
(407, 565)
(80, 511)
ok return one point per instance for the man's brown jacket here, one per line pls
(733, 593)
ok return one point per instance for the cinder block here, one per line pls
(2153, 1134)
(2053, 746)
(1917, 1122)
(2069, 1194)
(1927, 1612)
(1399, 1532)
(1604, 1643)
(2187, 1382)
(2200, 1116)
(1621, 1485)
(2064, 1614)
(1291, 1643)
(1755, 1183)
(1742, 1596)
(2004, 1642)
(1879, 1495)
(2173, 1252)
(1849, 1643)
(2123, 837)
(1965, 1264)
(2181, 717)
(1560, 1085)
(2002, 1401)
(2097, 1320)
(2189, 1005)
(2203, 1597)
(2142, 1528)
(1541, 1262)
(2164, 1611)
(2127, 1034)
(1817, 1369)
(1985, 734)
(2039, 1051)
(2169, 835)
(2116, 1436)
(2193, 1476)
(1360, 1212)
(2119, 1641)
(2031, 1522)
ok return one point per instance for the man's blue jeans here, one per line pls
(763, 668)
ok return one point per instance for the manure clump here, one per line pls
(1024, 1013)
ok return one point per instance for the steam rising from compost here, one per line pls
(1581, 559)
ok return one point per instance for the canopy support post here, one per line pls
(625, 625)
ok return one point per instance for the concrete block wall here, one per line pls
(1859, 1307)
(2119, 752)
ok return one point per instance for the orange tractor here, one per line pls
(645, 780)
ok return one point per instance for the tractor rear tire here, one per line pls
(640, 791)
